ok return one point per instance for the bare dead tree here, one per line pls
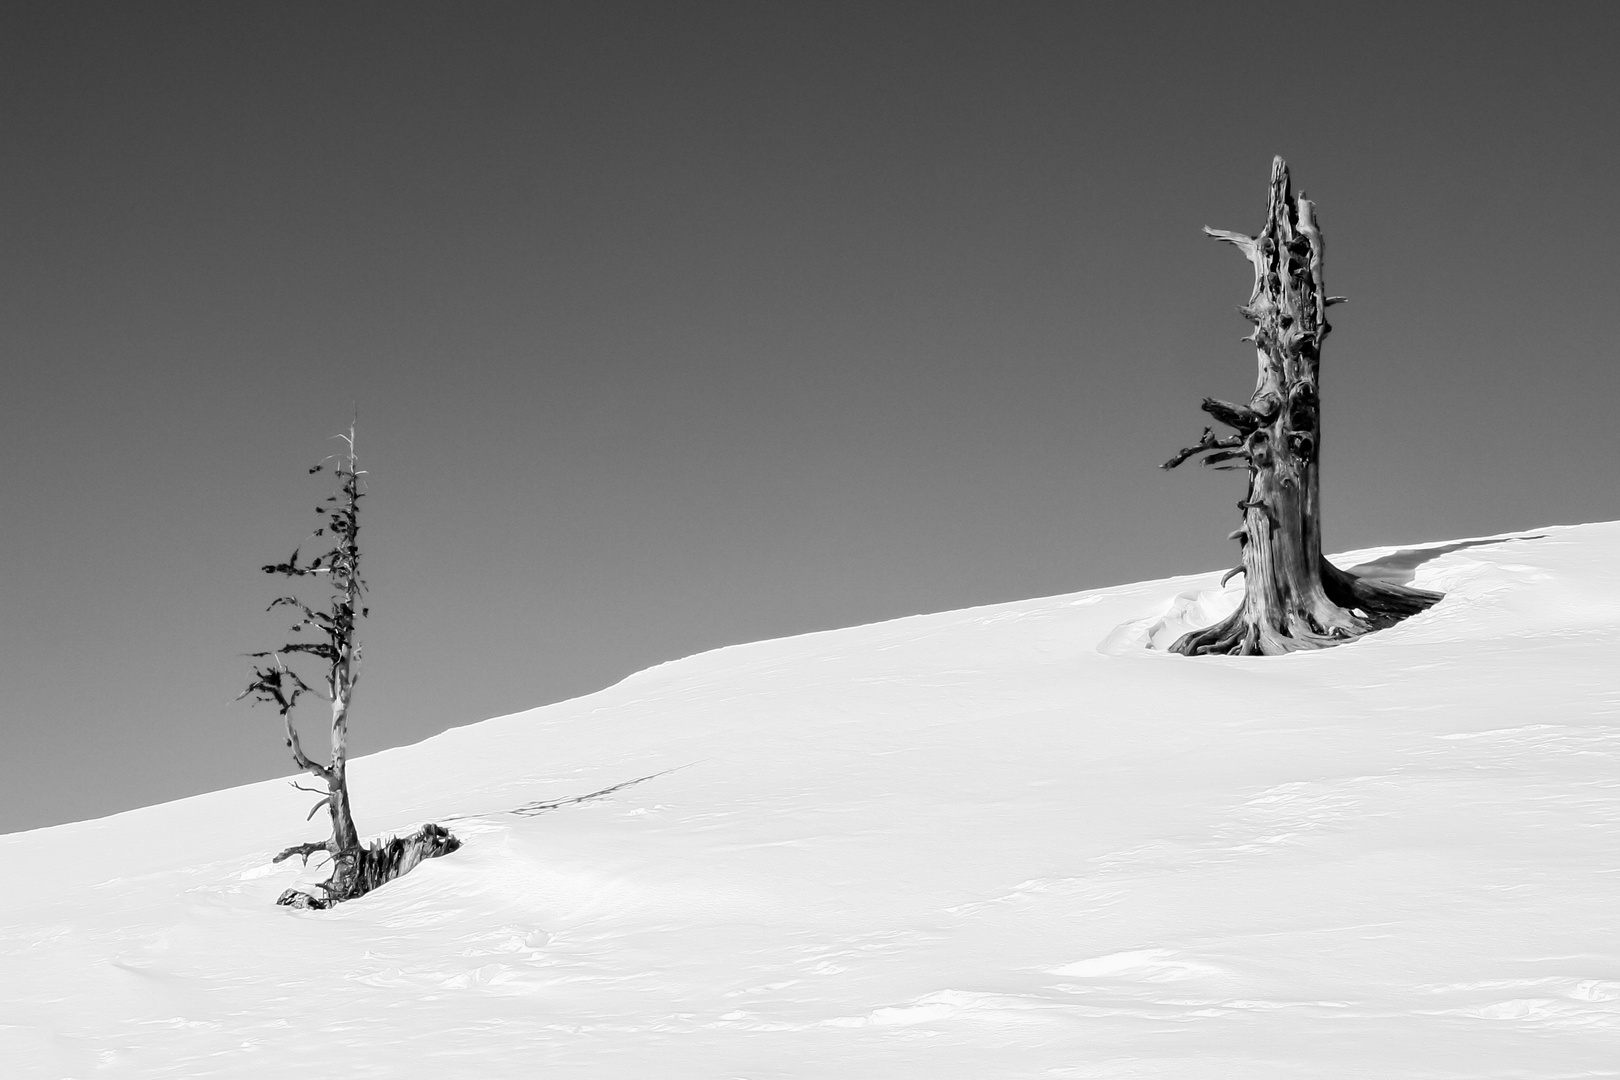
(1293, 597)
(327, 634)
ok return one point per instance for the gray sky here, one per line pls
(676, 326)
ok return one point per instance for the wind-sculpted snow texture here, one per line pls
(1014, 841)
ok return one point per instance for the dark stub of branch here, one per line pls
(358, 871)
(1239, 417)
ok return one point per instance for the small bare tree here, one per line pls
(327, 634)
(1293, 597)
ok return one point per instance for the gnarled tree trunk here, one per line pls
(1293, 598)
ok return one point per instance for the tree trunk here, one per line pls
(345, 837)
(345, 843)
(1293, 598)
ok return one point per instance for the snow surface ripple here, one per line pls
(1013, 841)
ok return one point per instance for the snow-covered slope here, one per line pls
(1013, 841)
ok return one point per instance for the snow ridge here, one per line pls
(1012, 841)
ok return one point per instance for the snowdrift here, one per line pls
(1012, 841)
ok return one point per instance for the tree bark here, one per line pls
(1293, 597)
(345, 837)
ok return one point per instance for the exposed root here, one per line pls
(1223, 639)
(1380, 604)
(1385, 604)
(383, 862)
(360, 870)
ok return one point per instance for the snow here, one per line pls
(1012, 841)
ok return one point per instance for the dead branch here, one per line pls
(531, 809)
(314, 767)
(1227, 455)
(1207, 442)
(1239, 417)
(305, 850)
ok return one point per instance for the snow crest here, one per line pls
(1012, 841)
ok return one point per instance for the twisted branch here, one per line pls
(305, 850)
(1208, 442)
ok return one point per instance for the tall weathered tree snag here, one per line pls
(356, 869)
(1293, 597)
